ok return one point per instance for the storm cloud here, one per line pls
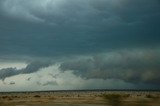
(61, 28)
(89, 40)
(30, 68)
(133, 66)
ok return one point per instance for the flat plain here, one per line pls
(81, 98)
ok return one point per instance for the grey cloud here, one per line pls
(76, 26)
(7, 72)
(35, 66)
(84, 13)
(134, 66)
(30, 68)
(61, 28)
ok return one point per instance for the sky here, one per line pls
(79, 44)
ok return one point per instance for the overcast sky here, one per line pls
(79, 44)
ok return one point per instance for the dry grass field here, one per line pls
(81, 98)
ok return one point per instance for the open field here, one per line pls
(81, 98)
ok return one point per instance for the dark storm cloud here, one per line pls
(60, 27)
(30, 68)
(119, 36)
(134, 66)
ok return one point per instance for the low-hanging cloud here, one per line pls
(30, 68)
(134, 66)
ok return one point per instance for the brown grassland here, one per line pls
(81, 98)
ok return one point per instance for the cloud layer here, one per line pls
(133, 66)
(60, 27)
(95, 42)
(42, 80)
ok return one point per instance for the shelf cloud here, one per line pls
(131, 66)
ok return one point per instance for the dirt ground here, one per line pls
(81, 98)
